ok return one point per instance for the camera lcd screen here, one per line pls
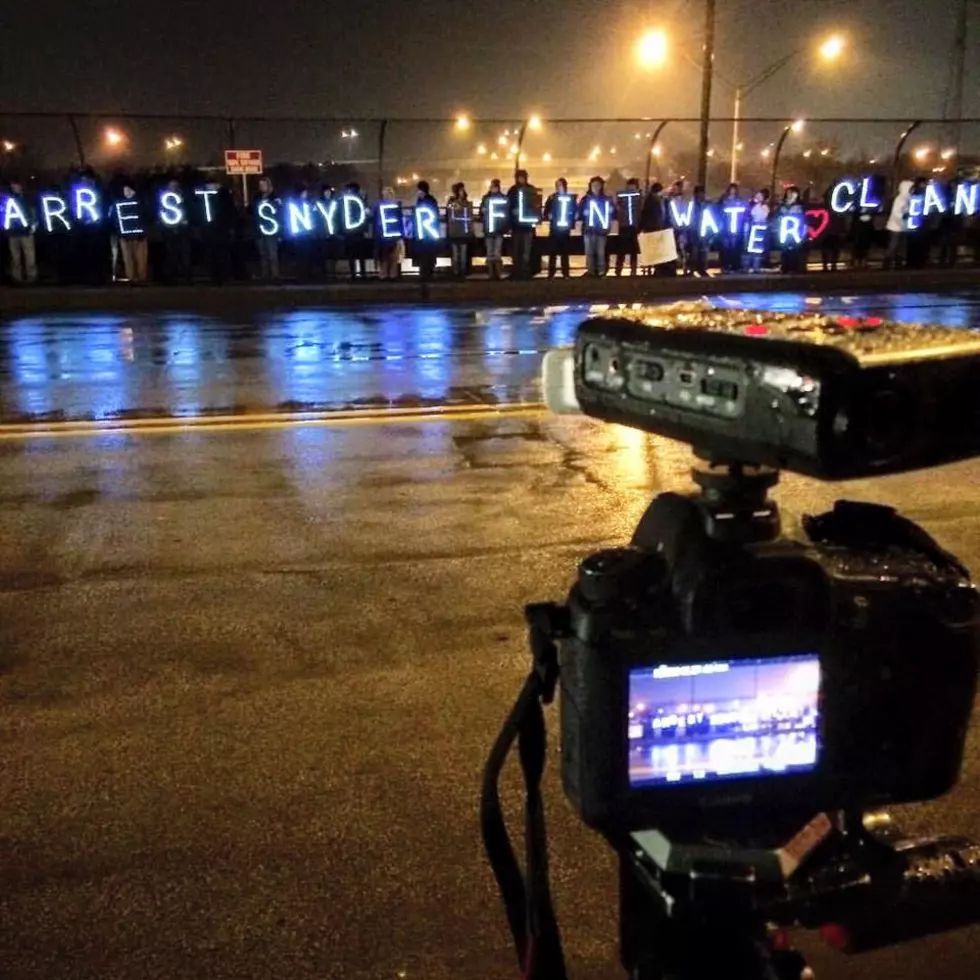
(724, 719)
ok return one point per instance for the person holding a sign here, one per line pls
(597, 211)
(267, 215)
(524, 215)
(493, 214)
(559, 212)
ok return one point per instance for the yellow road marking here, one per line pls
(264, 421)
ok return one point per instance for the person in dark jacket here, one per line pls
(177, 244)
(353, 237)
(792, 257)
(459, 229)
(730, 240)
(833, 237)
(267, 213)
(559, 212)
(596, 210)
(216, 234)
(655, 216)
(425, 250)
(327, 244)
(389, 229)
(523, 218)
(628, 215)
(494, 218)
(21, 225)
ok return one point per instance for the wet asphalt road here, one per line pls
(91, 366)
(248, 678)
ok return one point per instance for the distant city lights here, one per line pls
(462, 122)
(534, 123)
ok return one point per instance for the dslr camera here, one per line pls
(735, 703)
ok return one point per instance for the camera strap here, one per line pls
(527, 896)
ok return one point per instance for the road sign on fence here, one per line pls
(243, 161)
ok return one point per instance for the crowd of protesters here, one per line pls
(538, 233)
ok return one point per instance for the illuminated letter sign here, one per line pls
(563, 212)
(496, 214)
(735, 213)
(523, 218)
(426, 223)
(598, 217)
(791, 230)
(268, 223)
(630, 197)
(843, 195)
(53, 207)
(11, 211)
(85, 202)
(328, 211)
(913, 221)
(757, 240)
(868, 201)
(171, 208)
(934, 200)
(389, 219)
(354, 205)
(682, 219)
(128, 218)
(708, 219)
(299, 218)
(206, 195)
(966, 199)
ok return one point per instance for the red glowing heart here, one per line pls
(817, 220)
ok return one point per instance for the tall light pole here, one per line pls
(707, 71)
(793, 127)
(830, 50)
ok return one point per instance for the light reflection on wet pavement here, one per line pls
(92, 366)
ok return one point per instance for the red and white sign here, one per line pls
(243, 161)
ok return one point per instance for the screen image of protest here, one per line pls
(724, 719)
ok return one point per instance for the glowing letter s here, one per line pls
(268, 223)
(171, 208)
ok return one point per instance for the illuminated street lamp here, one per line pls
(7, 146)
(948, 154)
(114, 138)
(656, 151)
(922, 153)
(766, 152)
(502, 140)
(481, 150)
(534, 123)
(651, 49)
(173, 143)
(546, 158)
(807, 154)
(830, 51)
(463, 122)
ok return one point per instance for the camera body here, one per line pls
(720, 684)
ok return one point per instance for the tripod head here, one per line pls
(734, 500)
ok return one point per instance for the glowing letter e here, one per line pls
(268, 224)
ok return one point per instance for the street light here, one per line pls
(534, 123)
(651, 49)
(830, 50)
(8, 146)
(481, 150)
(546, 158)
(462, 122)
(922, 152)
(173, 143)
(114, 138)
(794, 127)
(948, 154)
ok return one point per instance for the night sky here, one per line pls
(434, 57)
